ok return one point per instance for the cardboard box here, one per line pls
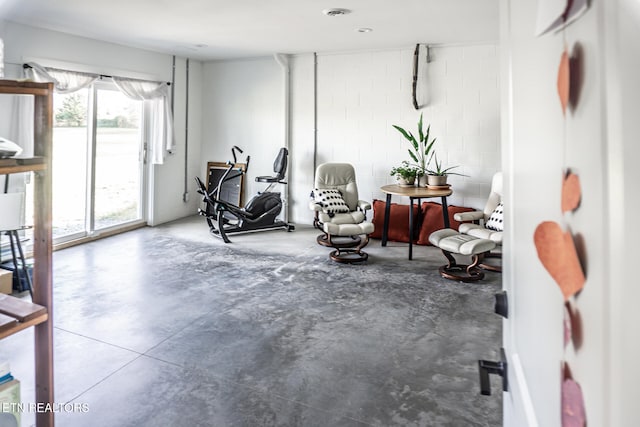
(22, 284)
(6, 281)
(9, 400)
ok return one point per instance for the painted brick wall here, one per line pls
(243, 105)
(361, 95)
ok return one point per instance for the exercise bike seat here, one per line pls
(279, 167)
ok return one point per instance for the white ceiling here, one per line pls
(249, 28)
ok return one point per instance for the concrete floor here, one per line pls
(167, 326)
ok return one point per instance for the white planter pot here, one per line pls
(405, 182)
(436, 180)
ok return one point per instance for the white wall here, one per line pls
(24, 43)
(360, 95)
(169, 178)
(243, 105)
(620, 68)
(302, 137)
(596, 140)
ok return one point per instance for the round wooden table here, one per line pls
(412, 192)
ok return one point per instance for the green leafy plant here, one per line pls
(406, 171)
(439, 170)
(421, 149)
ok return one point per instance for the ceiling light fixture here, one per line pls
(336, 12)
(364, 30)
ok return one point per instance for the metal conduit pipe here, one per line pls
(315, 114)
(185, 195)
(283, 61)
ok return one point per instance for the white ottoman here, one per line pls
(348, 252)
(452, 242)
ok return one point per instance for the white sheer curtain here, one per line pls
(156, 96)
(21, 125)
(65, 81)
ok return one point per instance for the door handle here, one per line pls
(486, 367)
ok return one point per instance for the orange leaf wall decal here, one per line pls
(558, 255)
(571, 193)
(564, 80)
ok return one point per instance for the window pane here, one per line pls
(69, 157)
(118, 167)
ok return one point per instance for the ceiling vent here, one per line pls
(336, 12)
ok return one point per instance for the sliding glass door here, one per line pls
(118, 158)
(98, 171)
(69, 155)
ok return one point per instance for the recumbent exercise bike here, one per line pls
(260, 214)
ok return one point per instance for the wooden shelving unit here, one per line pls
(16, 314)
(31, 164)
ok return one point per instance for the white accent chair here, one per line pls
(344, 224)
(474, 223)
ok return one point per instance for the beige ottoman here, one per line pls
(452, 242)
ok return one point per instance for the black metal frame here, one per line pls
(412, 220)
(20, 270)
(246, 220)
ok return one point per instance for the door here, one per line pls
(118, 168)
(98, 173)
(554, 341)
(517, 404)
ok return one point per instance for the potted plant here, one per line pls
(421, 148)
(405, 174)
(437, 176)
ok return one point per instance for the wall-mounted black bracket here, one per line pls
(414, 85)
(487, 367)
